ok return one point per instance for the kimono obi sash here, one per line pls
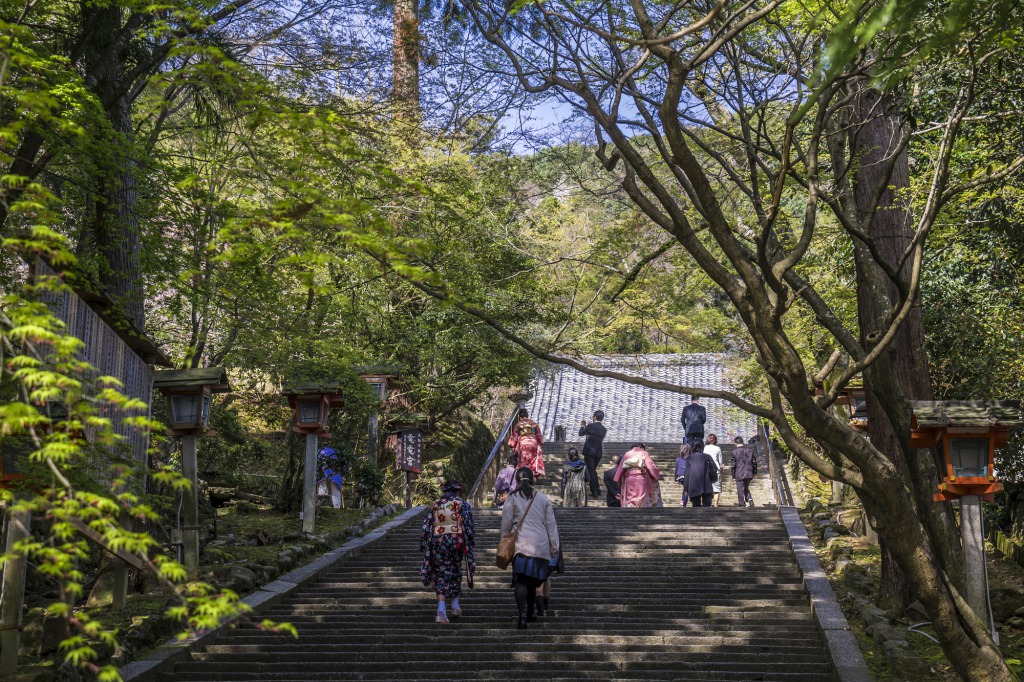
(526, 431)
(634, 462)
(447, 519)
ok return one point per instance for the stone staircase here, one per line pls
(648, 594)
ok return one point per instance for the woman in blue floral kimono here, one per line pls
(447, 538)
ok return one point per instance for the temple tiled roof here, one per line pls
(564, 396)
(967, 413)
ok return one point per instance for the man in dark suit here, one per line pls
(595, 432)
(744, 468)
(694, 416)
(614, 490)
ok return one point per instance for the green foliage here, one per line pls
(368, 480)
(909, 33)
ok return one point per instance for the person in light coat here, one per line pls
(714, 452)
(537, 544)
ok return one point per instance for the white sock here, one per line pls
(441, 609)
(455, 604)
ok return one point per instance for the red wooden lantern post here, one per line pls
(312, 404)
(963, 437)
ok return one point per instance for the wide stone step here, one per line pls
(567, 609)
(323, 669)
(503, 674)
(692, 645)
(502, 628)
(479, 602)
(326, 659)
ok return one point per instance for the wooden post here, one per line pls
(974, 555)
(190, 527)
(121, 574)
(309, 485)
(12, 594)
(408, 490)
(372, 423)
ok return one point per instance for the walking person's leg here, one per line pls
(442, 615)
(741, 491)
(750, 496)
(591, 461)
(544, 595)
(531, 602)
(521, 601)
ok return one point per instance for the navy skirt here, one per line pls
(530, 569)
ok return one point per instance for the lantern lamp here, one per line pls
(312, 404)
(963, 437)
(383, 380)
(189, 409)
(855, 397)
(311, 411)
(189, 395)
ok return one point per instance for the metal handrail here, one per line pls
(494, 453)
(778, 488)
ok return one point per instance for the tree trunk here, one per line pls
(405, 59)
(289, 497)
(901, 374)
(112, 241)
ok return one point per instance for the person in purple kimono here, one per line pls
(505, 484)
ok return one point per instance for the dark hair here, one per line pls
(640, 445)
(524, 413)
(512, 459)
(738, 440)
(524, 482)
(694, 398)
(573, 453)
(712, 439)
(598, 415)
(685, 450)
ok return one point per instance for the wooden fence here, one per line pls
(110, 355)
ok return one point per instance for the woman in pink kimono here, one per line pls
(526, 441)
(638, 476)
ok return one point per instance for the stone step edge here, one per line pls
(841, 644)
(173, 651)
